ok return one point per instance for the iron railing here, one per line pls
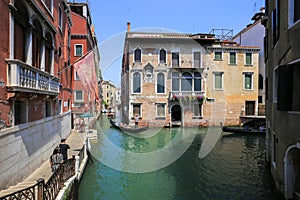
(48, 190)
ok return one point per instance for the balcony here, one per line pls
(25, 78)
(175, 96)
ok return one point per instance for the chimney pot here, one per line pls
(128, 26)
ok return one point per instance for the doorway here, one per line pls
(176, 113)
(250, 107)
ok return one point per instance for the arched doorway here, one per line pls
(292, 171)
(176, 113)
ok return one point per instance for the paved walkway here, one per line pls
(75, 140)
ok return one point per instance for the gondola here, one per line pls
(128, 129)
(245, 130)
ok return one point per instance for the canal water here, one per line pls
(140, 167)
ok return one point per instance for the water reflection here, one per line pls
(234, 169)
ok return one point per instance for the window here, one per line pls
(76, 76)
(160, 87)
(248, 80)
(136, 83)
(48, 53)
(197, 81)
(275, 23)
(175, 59)
(260, 99)
(232, 58)
(197, 59)
(162, 56)
(48, 106)
(137, 55)
(218, 55)
(60, 18)
(197, 110)
(288, 98)
(175, 81)
(160, 110)
(136, 109)
(248, 59)
(21, 22)
(78, 95)
(260, 82)
(20, 112)
(78, 50)
(48, 3)
(37, 35)
(186, 82)
(294, 12)
(218, 80)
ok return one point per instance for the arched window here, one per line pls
(186, 82)
(21, 24)
(136, 84)
(260, 82)
(37, 34)
(162, 56)
(197, 81)
(160, 87)
(137, 55)
(48, 53)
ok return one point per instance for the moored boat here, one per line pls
(127, 129)
(248, 130)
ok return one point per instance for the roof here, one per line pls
(155, 35)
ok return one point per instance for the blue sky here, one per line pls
(189, 16)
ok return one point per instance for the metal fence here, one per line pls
(46, 190)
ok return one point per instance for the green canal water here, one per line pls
(141, 167)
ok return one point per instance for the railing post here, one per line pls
(41, 182)
(76, 164)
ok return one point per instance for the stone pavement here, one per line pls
(76, 140)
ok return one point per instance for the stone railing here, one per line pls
(23, 77)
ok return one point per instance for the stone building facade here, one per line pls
(282, 45)
(171, 79)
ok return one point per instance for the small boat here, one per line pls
(128, 129)
(250, 130)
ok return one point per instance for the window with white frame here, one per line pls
(175, 59)
(60, 17)
(232, 58)
(175, 81)
(138, 55)
(77, 78)
(248, 80)
(162, 56)
(294, 12)
(136, 109)
(78, 95)
(160, 109)
(197, 81)
(160, 85)
(248, 58)
(197, 59)
(136, 82)
(218, 80)
(186, 81)
(49, 4)
(78, 50)
(218, 55)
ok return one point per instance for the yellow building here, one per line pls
(108, 96)
(173, 79)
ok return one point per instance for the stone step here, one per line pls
(15, 188)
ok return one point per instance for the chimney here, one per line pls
(128, 26)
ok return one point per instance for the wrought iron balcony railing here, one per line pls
(25, 78)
